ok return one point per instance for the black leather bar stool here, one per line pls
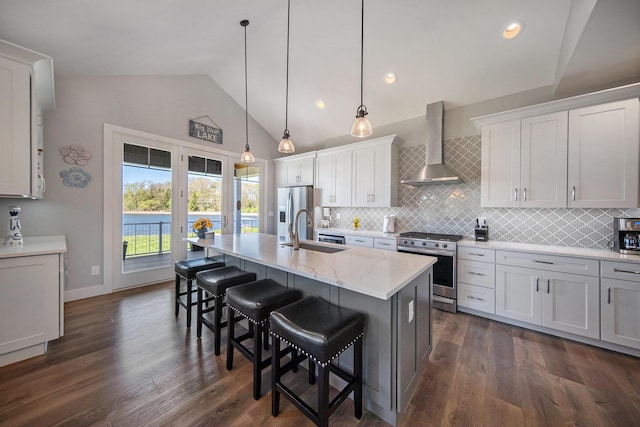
(255, 301)
(187, 270)
(215, 283)
(321, 331)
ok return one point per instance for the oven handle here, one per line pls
(429, 252)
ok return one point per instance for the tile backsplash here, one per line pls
(453, 208)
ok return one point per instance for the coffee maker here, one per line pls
(626, 235)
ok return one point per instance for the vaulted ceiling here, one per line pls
(450, 50)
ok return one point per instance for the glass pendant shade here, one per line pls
(246, 156)
(361, 127)
(286, 146)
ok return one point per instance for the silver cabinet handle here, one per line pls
(357, 240)
(474, 254)
(542, 262)
(537, 284)
(475, 274)
(524, 195)
(384, 244)
(619, 270)
(573, 193)
(515, 194)
(608, 294)
(548, 285)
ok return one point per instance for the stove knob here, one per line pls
(424, 243)
(437, 245)
(412, 242)
(444, 245)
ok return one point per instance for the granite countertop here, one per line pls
(373, 272)
(600, 254)
(40, 245)
(351, 232)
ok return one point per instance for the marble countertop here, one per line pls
(374, 272)
(600, 254)
(40, 245)
(351, 232)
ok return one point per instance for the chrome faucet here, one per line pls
(293, 233)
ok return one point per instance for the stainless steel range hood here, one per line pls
(435, 172)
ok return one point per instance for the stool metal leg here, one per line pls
(177, 294)
(357, 372)
(323, 396)
(275, 377)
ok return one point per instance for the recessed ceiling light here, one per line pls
(390, 77)
(320, 104)
(512, 30)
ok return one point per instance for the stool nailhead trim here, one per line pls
(323, 364)
(250, 319)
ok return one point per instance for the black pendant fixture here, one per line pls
(361, 127)
(286, 145)
(247, 156)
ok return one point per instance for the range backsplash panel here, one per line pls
(453, 208)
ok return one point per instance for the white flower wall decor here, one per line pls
(75, 155)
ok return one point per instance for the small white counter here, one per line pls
(32, 280)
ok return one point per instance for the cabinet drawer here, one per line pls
(360, 241)
(587, 267)
(382, 243)
(476, 297)
(477, 273)
(476, 254)
(621, 270)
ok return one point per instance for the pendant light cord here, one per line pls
(286, 104)
(362, 57)
(246, 90)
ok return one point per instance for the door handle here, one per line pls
(573, 194)
(515, 194)
(548, 285)
(524, 196)
(608, 294)
(618, 270)
(537, 284)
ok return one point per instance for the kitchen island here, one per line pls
(393, 289)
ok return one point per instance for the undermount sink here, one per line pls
(318, 248)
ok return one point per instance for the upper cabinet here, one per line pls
(293, 171)
(364, 174)
(604, 155)
(552, 155)
(333, 178)
(26, 89)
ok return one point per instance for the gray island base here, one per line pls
(391, 288)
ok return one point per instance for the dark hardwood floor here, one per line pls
(126, 361)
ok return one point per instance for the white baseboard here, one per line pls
(88, 292)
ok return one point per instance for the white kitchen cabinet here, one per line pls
(620, 303)
(333, 178)
(604, 155)
(476, 279)
(375, 176)
(389, 244)
(524, 162)
(477, 298)
(26, 88)
(31, 297)
(295, 170)
(565, 302)
(365, 241)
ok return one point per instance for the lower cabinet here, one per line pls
(620, 304)
(477, 297)
(565, 302)
(477, 279)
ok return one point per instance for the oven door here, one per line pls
(444, 279)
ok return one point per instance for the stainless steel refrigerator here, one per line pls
(290, 201)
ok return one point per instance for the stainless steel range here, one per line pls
(443, 247)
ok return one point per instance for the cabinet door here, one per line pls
(603, 156)
(518, 293)
(363, 172)
(374, 176)
(281, 174)
(543, 161)
(15, 128)
(29, 301)
(305, 171)
(292, 173)
(500, 165)
(571, 303)
(620, 304)
(343, 183)
(325, 179)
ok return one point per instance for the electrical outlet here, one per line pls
(95, 270)
(411, 311)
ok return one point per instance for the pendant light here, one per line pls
(246, 157)
(286, 145)
(361, 127)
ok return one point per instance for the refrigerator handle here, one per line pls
(290, 212)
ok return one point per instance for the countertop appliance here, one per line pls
(388, 224)
(290, 201)
(443, 247)
(331, 238)
(626, 235)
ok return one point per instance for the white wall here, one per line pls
(160, 105)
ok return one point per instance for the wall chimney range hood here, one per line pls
(435, 172)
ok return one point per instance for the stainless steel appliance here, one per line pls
(290, 201)
(443, 247)
(626, 235)
(331, 238)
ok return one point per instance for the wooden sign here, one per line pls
(208, 133)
